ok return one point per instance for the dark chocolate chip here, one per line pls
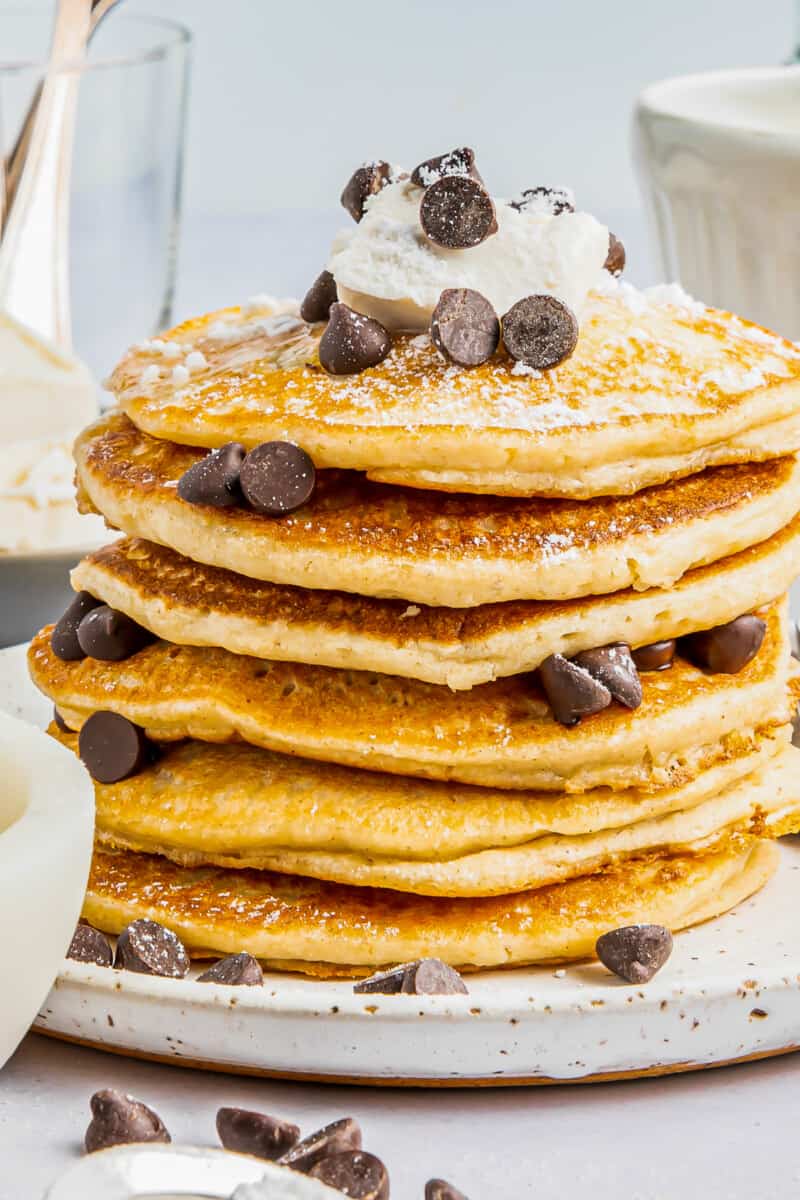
(333, 1139)
(457, 212)
(277, 478)
(615, 259)
(60, 722)
(214, 480)
(112, 748)
(237, 969)
(540, 331)
(119, 1120)
(726, 649)
(111, 636)
(572, 692)
(545, 200)
(460, 161)
(89, 945)
(440, 1189)
(64, 638)
(319, 298)
(613, 666)
(384, 983)
(363, 183)
(635, 952)
(255, 1133)
(148, 948)
(432, 977)
(658, 656)
(352, 342)
(464, 327)
(355, 1173)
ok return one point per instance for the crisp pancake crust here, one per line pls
(324, 928)
(458, 551)
(645, 375)
(500, 735)
(193, 604)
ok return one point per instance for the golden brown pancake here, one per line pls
(653, 391)
(502, 734)
(458, 551)
(193, 604)
(329, 929)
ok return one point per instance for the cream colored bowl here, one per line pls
(46, 826)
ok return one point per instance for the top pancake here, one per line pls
(654, 390)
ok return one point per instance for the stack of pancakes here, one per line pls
(358, 758)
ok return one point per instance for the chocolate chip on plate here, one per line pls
(365, 181)
(119, 1120)
(319, 298)
(460, 161)
(540, 331)
(148, 948)
(464, 327)
(549, 201)
(440, 1189)
(112, 748)
(110, 635)
(344, 1134)
(64, 638)
(255, 1133)
(214, 480)
(658, 656)
(277, 478)
(613, 666)
(573, 693)
(432, 977)
(615, 259)
(457, 212)
(355, 1173)
(237, 969)
(635, 952)
(60, 722)
(89, 945)
(352, 342)
(726, 649)
(383, 983)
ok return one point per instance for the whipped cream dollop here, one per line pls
(386, 267)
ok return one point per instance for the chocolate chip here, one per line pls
(432, 977)
(635, 952)
(355, 1173)
(333, 1139)
(457, 212)
(112, 748)
(440, 1189)
(148, 948)
(540, 331)
(64, 638)
(615, 259)
(237, 969)
(572, 692)
(352, 342)
(214, 480)
(613, 666)
(460, 161)
(725, 649)
(255, 1133)
(111, 636)
(363, 183)
(658, 656)
(384, 983)
(60, 722)
(319, 298)
(545, 200)
(119, 1120)
(277, 478)
(89, 945)
(464, 327)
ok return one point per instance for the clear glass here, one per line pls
(127, 167)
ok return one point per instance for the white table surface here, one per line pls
(720, 1134)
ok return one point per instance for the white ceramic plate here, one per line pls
(730, 991)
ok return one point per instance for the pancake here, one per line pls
(502, 734)
(329, 929)
(193, 604)
(646, 375)
(458, 551)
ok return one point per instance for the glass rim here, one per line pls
(174, 35)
